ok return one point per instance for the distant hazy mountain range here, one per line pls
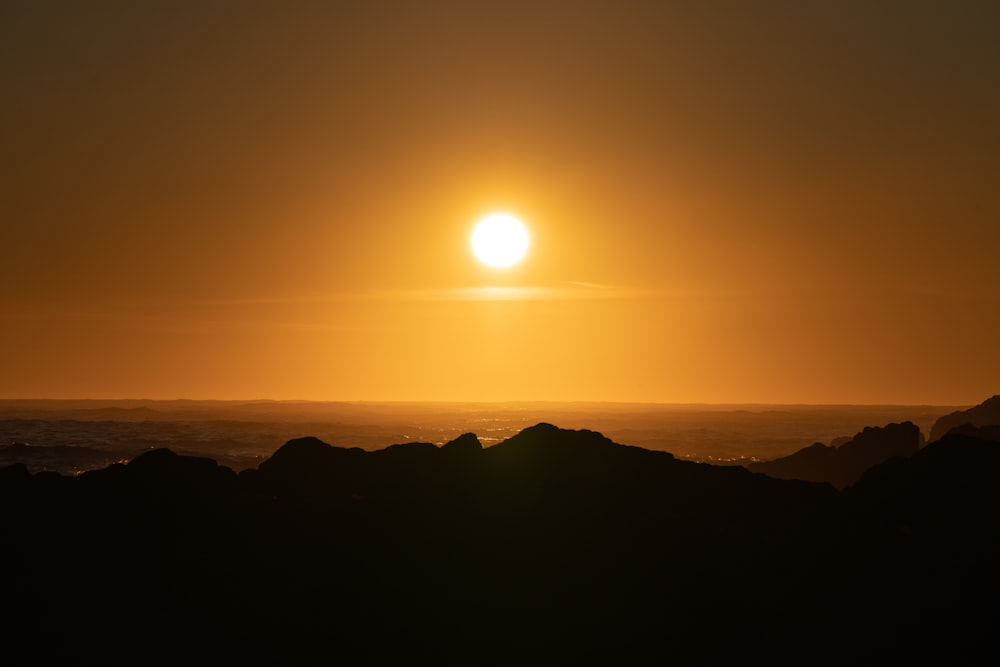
(553, 547)
(842, 463)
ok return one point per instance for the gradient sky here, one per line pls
(728, 201)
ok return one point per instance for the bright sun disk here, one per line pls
(499, 240)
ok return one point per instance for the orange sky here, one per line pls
(728, 202)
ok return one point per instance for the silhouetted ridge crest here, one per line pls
(467, 443)
(987, 432)
(948, 482)
(308, 447)
(164, 466)
(552, 440)
(14, 473)
(164, 478)
(986, 413)
(308, 466)
(163, 459)
(408, 450)
(843, 465)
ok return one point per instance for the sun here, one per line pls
(500, 240)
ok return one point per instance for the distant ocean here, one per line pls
(69, 436)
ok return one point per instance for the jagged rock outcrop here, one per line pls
(844, 465)
(986, 413)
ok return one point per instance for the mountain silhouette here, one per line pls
(843, 465)
(988, 432)
(986, 413)
(554, 547)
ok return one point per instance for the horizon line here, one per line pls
(370, 401)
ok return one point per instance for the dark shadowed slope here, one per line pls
(553, 547)
(931, 535)
(844, 464)
(986, 413)
(987, 432)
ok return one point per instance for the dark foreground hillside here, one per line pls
(553, 547)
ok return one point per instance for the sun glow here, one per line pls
(500, 240)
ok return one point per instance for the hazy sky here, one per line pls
(728, 201)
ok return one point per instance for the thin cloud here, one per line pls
(567, 291)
